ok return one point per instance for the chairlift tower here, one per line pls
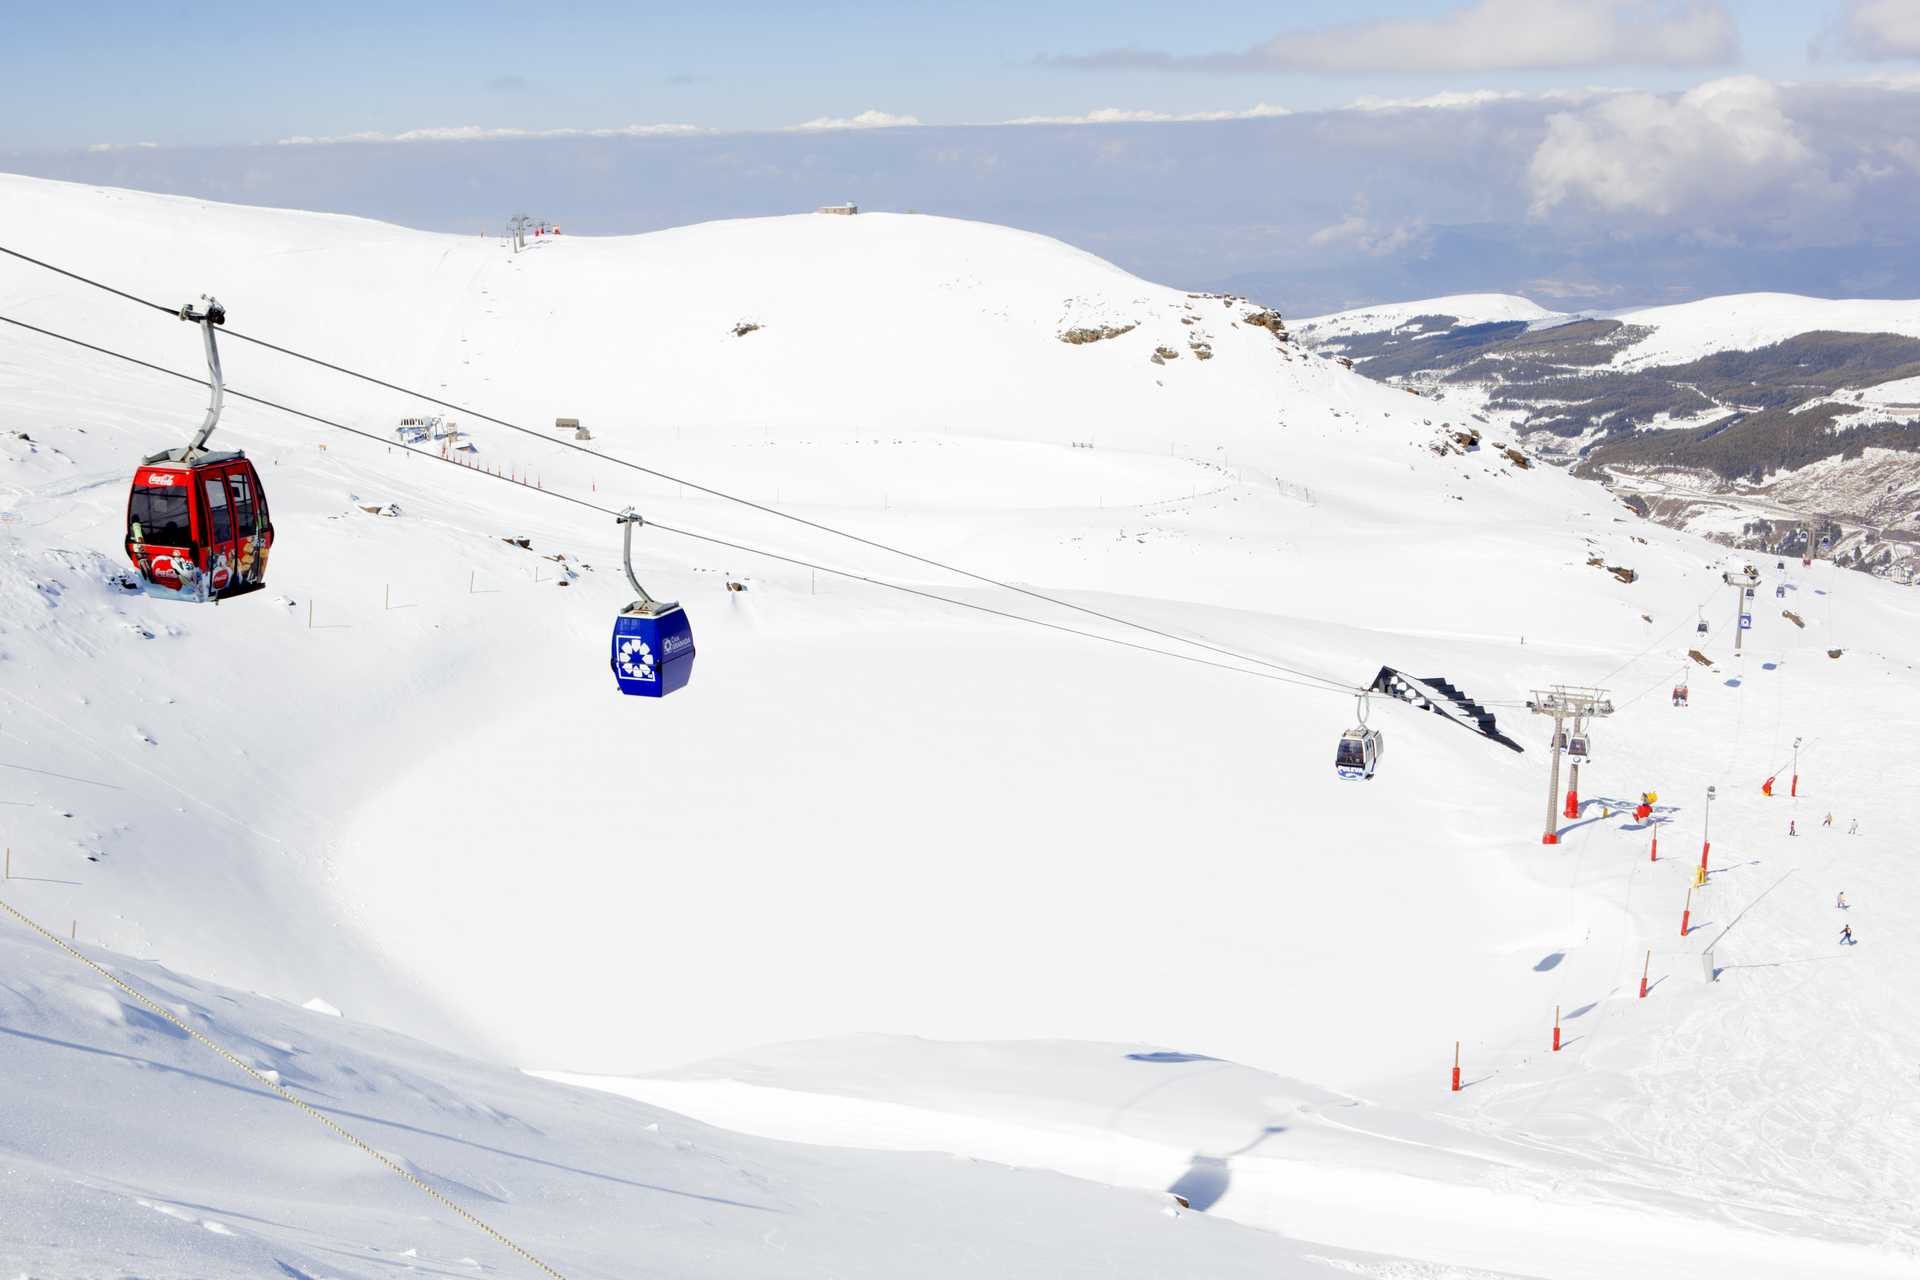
(1578, 704)
(517, 224)
(1743, 584)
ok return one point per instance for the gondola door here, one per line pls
(252, 529)
(220, 548)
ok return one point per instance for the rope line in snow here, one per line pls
(283, 1093)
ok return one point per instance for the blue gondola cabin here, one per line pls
(652, 650)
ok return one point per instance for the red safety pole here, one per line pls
(1573, 803)
(1686, 914)
(1556, 1028)
(1456, 1066)
(1655, 855)
(1645, 969)
(1794, 789)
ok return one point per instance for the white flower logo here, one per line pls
(636, 659)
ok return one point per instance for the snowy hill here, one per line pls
(1742, 417)
(1425, 316)
(399, 780)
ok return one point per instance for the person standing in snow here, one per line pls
(1854, 830)
(1792, 829)
(1827, 821)
(1846, 935)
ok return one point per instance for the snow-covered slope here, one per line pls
(1461, 309)
(399, 780)
(1751, 413)
(131, 1151)
(1748, 321)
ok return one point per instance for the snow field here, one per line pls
(872, 813)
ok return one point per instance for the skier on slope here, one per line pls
(1792, 828)
(1854, 830)
(1828, 821)
(1846, 935)
(1840, 903)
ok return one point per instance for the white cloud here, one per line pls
(1484, 35)
(1464, 99)
(1361, 234)
(1119, 115)
(99, 147)
(1878, 29)
(481, 133)
(1721, 144)
(865, 120)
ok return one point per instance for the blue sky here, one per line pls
(1587, 153)
(81, 74)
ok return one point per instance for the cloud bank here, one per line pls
(1487, 35)
(1736, 185)
(1877, 30)
(1729, 142)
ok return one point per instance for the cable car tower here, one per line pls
(1743, 582)
(1578, 706)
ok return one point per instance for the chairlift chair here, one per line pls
(652, 653)
(197, 522)
(1360, 749)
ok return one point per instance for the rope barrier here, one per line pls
(284, 1094)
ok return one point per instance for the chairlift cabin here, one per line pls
(1577, 749)
(1700, 628)
(1360, 749)
(652, 652)
(197, 522)
(1780, 591)
(1558, 741)
(1680, 695)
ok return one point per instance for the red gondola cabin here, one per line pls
(197, 523)
(199, 530)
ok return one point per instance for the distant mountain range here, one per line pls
(1796, 413)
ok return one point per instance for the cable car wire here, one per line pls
(689, 533)
(1328, 681)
